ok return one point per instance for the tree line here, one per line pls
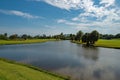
(109, 36)
(60, 36)
(23, 37)
(77, 37)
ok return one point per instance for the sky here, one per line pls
(55, 16)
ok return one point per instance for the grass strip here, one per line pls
(113, 43)
(28, 41)
(16, 67)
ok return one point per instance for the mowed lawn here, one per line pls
(8, 42)
(113, 43)
(11, 71)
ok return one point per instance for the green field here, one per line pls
(8, 42)
(114, 43)
(15, 71)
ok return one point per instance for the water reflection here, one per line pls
(69, 59)
(91, 53)
(89, 72)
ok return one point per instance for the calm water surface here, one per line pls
(67, 58)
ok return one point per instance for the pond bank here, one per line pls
(67, 59)
(28, 41)
(24, 72)
(114, 43)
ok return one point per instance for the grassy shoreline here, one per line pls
(10, 70)
(28, 41)
(48, 75)
(114, 43)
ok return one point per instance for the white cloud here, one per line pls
(107, 2)
(63, 4)
(105, 14)
(104, 17)
(18, 13)
(88, 6)
(61, 21)
(101, 26)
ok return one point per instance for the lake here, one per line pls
(66, 58)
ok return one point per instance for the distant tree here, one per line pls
(14, 36)
(62, 37)
(108, 36)
(101, 36)
(37, 37)
(66, 36)
(3, 36)
(29, 37)
(111, 36)
(44, 36)
(79, 35)
(49, 37)
(72, 37)
(24, 36)
(57, 37)
(117, 35)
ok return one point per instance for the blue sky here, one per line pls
(55, 16)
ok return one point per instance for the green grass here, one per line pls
(15, 71)
(9, 42)
(114, 43)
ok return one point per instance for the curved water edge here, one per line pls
(84, 45)
(29, 41)
(35, 68)
(68, 59)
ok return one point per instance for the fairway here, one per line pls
(28, 41)
(11, 71)
(114, 43)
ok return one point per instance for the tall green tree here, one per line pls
(72, 37)
(86, 38)
(3, 36)
(94, 36)
(24, 36)
(62, 37)
(14, 36)
(90, 38)
(117, 35)
(79, 35)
